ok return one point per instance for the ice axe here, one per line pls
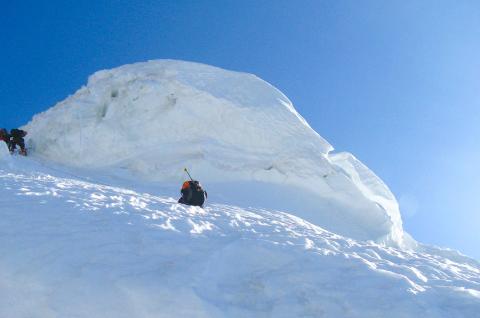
(185, 169)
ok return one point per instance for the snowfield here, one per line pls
(90, 225)
(76, 248)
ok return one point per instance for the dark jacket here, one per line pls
(17, 134)
(193, 194)
(16, 139)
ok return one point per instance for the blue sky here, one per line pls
(396, 83)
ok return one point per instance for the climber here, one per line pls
(5, 136)
(192, 193)
(16, 138)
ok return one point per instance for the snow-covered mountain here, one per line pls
(149, 120)
(90, 226)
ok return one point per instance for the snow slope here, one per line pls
(147, 121)
(90, 226)
(73, 247)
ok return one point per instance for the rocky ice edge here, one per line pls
(149, 120)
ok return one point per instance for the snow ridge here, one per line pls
(147, 121)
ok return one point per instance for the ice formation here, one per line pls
(149, 120)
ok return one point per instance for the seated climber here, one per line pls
(193, 194)
(16, 139)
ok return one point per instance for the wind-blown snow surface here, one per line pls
(73, 247)
(149, 120)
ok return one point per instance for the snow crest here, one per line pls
(150, 120)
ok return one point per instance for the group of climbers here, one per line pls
(192, 191)
(14, 139)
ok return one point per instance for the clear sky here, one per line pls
(397, 83)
